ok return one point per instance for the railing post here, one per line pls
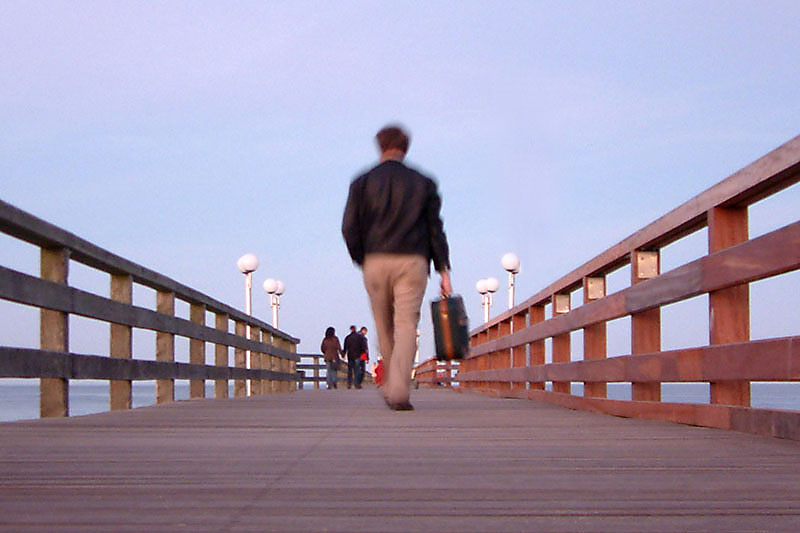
(561, 343)
(54, 335)
(645, 326)
(239, 386)
(197, 351)
(503, 357)
(121, 343)
(729, 309)
(486, 362)
(221, 356)
(274, 364)
(594, 336)
(316, 371)
(283, 365)
(256, 363)
(165, 347)
(518, 353)
(291, 368)
(536, 348)
(277, 363)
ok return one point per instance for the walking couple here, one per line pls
(356, 348)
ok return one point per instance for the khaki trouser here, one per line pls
(396, 285)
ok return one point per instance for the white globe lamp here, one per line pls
(275, 288)
(247, 263)
(481, 286)
(270, 285)
(492, 284)
(511, 264)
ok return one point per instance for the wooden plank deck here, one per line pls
(339, 460)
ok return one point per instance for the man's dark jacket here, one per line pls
(395, 209)
(353, 345)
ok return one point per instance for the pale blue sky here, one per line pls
(183, 134)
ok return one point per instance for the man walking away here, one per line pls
(393, 229)
(352, 347)
(363, 358)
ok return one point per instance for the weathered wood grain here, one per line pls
(165, 347)
(54, 334)
(764, 360)
(340, 461)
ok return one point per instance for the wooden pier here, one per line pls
(465, 460)
(320, 460)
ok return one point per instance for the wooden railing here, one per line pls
(317, 365)
(433, 373)
(508, 353)
(272, 352)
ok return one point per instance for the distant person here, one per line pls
(352, 347)
(393, 229)
(331, 350)
(364, 357)
(377, 372)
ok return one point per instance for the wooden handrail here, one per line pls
(272, 352)
(434, 373)
(507, 355)
(776, 253)
(25, 226)
(30, 363)
(768, 175)
(22, 288)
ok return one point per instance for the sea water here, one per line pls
(19, 399)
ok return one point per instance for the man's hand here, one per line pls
(446, 287)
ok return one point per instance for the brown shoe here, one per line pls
(399, 406)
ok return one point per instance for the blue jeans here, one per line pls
(353, 372)
(330, 374)
(360, 369)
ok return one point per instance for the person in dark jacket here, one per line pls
(362, 360)
(393, 229)
(353, 344)
(331, 350)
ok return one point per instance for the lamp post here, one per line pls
(248, 264)
(274, 288)
(487, 287)
(510, 263)
(416, 355)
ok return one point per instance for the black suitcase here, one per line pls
(450, 328)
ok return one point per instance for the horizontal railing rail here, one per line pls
(264, 357)
(434, 373)
(27, 227)
(29, 363)
(507, 355)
